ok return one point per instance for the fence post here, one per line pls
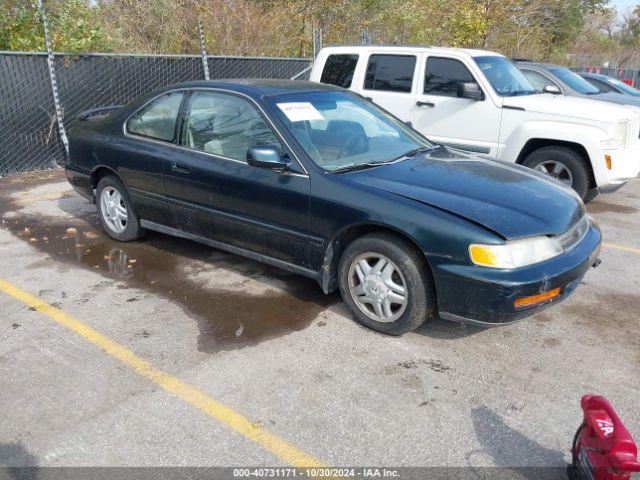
(54, 83)
(203, 50)
(317, 41)
(365, 38)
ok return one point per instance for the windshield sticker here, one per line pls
(300, 111)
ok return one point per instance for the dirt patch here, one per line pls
(603, 207)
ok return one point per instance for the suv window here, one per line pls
(225, 125)
(443, 76)
(338, 70)
(158, 118)
(538, 80)
(392, 73)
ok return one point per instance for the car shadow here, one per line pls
(441, 329)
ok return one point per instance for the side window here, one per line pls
(391, 73)
(338, 70)
(225, 125)
(157, 119)
(600, 85)
(538, 80)
(443, 76)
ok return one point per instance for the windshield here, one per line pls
(505, 77)
(339, 130)
(574, 81)
(624, 87)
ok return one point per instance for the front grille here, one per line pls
(572, 236)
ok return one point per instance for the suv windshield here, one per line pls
(504, 76)
(341, 131)
(574, 81)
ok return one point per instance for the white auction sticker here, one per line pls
(300, 111)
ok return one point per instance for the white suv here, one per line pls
(479, 101)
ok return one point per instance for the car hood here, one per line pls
(575, 107)
(617, 98)
(510, 200)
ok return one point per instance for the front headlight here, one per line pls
(515, 253)
(619, 137)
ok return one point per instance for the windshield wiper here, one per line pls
(357, 166)
(363, 166)
(516, 93)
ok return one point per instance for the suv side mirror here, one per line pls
(471, 91)
(552, 89)
(266, 157)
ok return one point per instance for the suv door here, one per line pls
(443, 115)
(389, 81)
(214, 193)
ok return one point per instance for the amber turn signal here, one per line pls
(607, 159)
(537, 299)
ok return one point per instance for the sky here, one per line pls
(622, 5)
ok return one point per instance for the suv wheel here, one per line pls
(386, 284)
(115, 210)
(562, 164)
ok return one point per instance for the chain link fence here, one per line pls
(30, 138)
(628, 75)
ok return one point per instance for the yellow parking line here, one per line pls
(621, 247)
(211, 407)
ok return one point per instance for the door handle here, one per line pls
(180, 168)
(425, 104)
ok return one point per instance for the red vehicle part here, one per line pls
(603, 448)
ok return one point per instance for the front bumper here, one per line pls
(625, 165)
(477, 295)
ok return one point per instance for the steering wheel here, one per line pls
(356, 139)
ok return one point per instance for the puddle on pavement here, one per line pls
(229, 317)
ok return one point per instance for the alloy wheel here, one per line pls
(114, 210)
(557, 170)
(378, 287)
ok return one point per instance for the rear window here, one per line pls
(157, 119)
(338, 70)
(392, 73)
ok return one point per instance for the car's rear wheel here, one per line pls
(116, 211)
(386, 284)
(562, 164)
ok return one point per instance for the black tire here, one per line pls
(570, 159)
(420, 301)
(132, 229)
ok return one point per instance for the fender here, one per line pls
(588, 136)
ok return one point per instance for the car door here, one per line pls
(149, 136)
(389, 81)
(214, 193)
(443, 115)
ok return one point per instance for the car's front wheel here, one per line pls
(386, 283)
(562, 164)
(116, 211)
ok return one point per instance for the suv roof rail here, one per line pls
(521, 59)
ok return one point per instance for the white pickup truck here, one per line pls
(479, 101)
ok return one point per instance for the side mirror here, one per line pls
(552, 89)
(266, 157)
(471, 91)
